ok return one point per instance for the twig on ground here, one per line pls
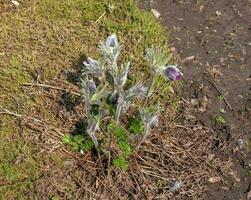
(50, 87)
(109, 158)
(75, 156)
(53, 136)
(100, 18)
(150, 173)
(209, 79)
(7, 112)
(135, 180)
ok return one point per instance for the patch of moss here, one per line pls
(18, 165)
(135, 125)
(122, 140)
(164, 92)
(78, 142)
(121, 163)
(122, 137)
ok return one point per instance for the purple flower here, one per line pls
(110, 48)
(91, 86)
(173, 73)
(90, 62)
(93, 67)
(112, 41)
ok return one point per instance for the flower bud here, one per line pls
(112, 41)
(89, 62)
(173, 73)
(91, 86)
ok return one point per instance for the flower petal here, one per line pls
(90, 62)
(91, 86)
(112, 41)
(173, 73)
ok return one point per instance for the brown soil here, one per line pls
(218, 34)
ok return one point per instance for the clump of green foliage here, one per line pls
(122, 138)
(107, 95)
(220, 118)
(78, 142)
(135, 125)
(121, 163)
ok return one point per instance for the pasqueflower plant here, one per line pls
(103, 84)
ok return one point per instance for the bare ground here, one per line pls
(214, 39)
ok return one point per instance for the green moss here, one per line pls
(78, 142)
(122, 137)
(120, 163)
(9, 171)
(159, 183)
(122, 140)
(55, 198)
(18, 165)
(135, 125)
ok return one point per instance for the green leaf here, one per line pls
(87, 145)
(78, 139)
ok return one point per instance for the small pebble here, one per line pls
(155, 13)
(218, 13)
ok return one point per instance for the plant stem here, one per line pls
(117, 89)
(88, 110)
(118, 112)
(146, 131)
(153, 78)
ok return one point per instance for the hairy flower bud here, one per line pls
(122, 78)
(173, 73)
(93, 67)
(89, 62)
(137, 90)
(157, 59)
(91, 86)
(110, 48)
(150, 118)
(112, 41)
